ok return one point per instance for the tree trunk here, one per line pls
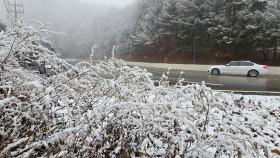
(275, 52)
(194, 51)
(264, 53)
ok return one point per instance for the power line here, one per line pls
(6, 3)
(15, 10)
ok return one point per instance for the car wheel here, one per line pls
(253, 73)
(215, 72)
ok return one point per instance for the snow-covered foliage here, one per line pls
(24, 46)
(217, 25)
(112, 110)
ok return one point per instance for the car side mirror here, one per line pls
(227, 64)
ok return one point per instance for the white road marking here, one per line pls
(262, 92)
(211, 84)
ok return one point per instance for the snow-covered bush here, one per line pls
(23, 46)
(112, 110)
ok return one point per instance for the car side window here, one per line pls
(234, 63)
(244, 63)
(250, 64)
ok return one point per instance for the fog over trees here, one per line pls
(82, 24)
(163, 30)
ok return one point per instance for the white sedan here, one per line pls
(240, 68)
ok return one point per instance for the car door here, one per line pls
(244, 67)
(231, 68)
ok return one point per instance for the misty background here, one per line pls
(171, 31)
(83, 23)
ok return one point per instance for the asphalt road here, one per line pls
(263, 85)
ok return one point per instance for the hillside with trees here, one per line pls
(214, 30)
(76, 26)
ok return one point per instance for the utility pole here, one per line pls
(15, 10)
(194, 51)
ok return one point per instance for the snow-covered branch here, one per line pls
(113, 110)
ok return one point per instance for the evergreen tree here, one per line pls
(242, 26)
(168, 19)
(145, 31)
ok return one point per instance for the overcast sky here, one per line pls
(117, 3)
(83, 22)
(114, 3)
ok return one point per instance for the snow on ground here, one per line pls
(266, 100)
(112, 110)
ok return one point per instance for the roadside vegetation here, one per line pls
(112, 110)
